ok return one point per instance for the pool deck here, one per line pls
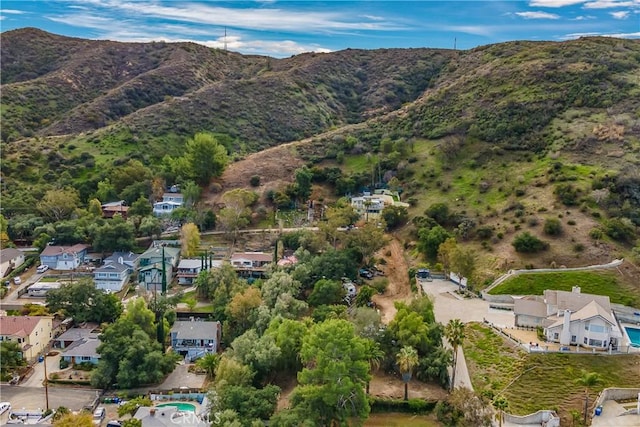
(627, 340)
(161, 403)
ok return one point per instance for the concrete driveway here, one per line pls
(447, 306)
(610, 416)
(37, 377)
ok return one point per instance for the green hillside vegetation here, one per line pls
(590, 282)
(531, 382)
(508, 137)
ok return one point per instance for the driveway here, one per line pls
(34, 397)
(447, 306)
(37, 377)
(181, 377)
(610, 416)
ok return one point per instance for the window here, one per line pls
(555, 335)
(586, 326)
(597, 328)
(585, 340)
(573, 338)
(595, 343)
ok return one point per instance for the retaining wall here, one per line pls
(541, 417)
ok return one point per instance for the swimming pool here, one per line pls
(634, 336)
(184, 407)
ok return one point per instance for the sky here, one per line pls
(285, 28)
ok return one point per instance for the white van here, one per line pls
(99, 414)
(42, 268)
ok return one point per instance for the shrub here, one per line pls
(620, 229)
(552, 227)
(484, 232)
(380, 285)
(567, 194)
(596, 234)
(254, 180)
(527, 243)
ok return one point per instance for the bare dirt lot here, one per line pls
(396, 271)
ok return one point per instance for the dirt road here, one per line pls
(396, 271)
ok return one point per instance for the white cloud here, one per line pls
(554, 3)
(623, 14)
(13, 11)
(572, 36)
(583, 18)
(609, 4)
(537, 15)
(477, 30)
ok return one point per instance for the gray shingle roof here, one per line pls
(196, 329)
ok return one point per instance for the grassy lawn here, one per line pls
(531, 382)
(590, 282)
(393, 419)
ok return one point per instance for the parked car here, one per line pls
(4, 407)
(42, 268)
(367, 274)
(17, 280)
(99, 414)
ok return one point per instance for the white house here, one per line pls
(370, 206)
(570, 318)
(170, 202)
(195, 338)
(111, 277)
(10, 259)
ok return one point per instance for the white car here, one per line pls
(42, 268)
(99, 414)
(4, 407)
(17, 280)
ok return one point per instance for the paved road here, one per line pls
(447, 307)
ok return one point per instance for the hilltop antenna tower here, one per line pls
(455, 42)
(225, 38)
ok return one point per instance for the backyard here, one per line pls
(531, 382)
(590, 282)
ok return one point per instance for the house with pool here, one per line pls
(571, 318)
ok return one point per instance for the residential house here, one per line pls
(63, 257)
(251, 265)
(195, 338)
(32, 333)
(111, 277)
(168, 416)
(10, 259)
(189, 269)
(150, 268)
(571, 318)
(170, 202)
(83, 350)
(72, 335)
(129, 259)
(370, 206)
(109, 210)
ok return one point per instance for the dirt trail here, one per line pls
(395, 270)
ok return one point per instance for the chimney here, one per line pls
(152, 412)
(565, 334)
(575, 289)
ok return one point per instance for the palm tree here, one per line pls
(374, 355)
(587, 379)
(407, 359)
(501, 404)
(454, 333)
(209, 363)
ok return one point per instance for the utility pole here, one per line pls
(46, 381)
(225, 38)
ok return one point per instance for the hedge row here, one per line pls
(415, 406)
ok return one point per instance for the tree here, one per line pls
(367, 322)
(141, 207)
(205, 157)
(288, 335)
(527, 243)
(473, 410)
(439, 212)
(552, 227)
(190, 240)
(454, 332)
(106, 191)
(464, 264)
(364, 296)
(209, 363)
(430, 239)
(84, 303)
(10, 358)
(191, 193)
(501, 404)
(260, 353)
(330, 389)
(278, 284)
(241, 312)
(232, 372)
(219, 285)
(303, 178)
(82, 419)
(374, 357)
(249, 403)
(132, 422)
(129, 357)
(407, 359)
(94, 208)
(140, 315)
(395, 216)
(366, 240)
(114, 235)
(446, 252)
(326, 292)
(131, 173)
(131, 406)
(587, 380)
(57, 205)
(150, 226)
(236, 213)
(341, 215)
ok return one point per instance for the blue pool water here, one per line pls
(634, 336)
(185, 407)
